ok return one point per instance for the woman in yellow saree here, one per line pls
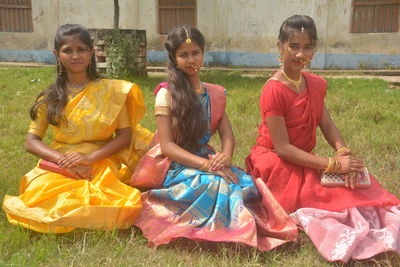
(96, 139)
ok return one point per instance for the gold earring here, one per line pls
(280, 60)
(60, 68)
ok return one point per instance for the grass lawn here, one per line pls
(366, 111)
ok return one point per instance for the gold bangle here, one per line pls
(205, 167)
(338, 151)
(334, 163)
(337, 164)
(329, 167)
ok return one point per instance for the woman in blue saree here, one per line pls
(202, 196)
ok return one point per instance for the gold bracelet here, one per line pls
(334, 163)
(205, 167)
(337, 165)
(329, 167)
(338, 151)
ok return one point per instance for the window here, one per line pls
(16, 16)
(173, 13)
(375, 16)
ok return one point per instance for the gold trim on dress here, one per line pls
(162, 110)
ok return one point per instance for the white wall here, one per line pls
(238, 32)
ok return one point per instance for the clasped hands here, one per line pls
(349, 165)
(219, 164)
(78, 164)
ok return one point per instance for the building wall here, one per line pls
(48, 15)
(238, 32)
(248, 31)
(365, 50)
(32, 46)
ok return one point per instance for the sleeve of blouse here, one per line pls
(40, 124)
(162, 103)
(123, 118)
(272, 101)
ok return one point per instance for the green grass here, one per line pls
(366, 112)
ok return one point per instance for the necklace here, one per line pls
(199, 89)
(76, 87)
(294, 82)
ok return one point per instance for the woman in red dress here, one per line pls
(343, 222)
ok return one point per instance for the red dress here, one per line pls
(296, 187)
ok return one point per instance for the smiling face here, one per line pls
(74, 55)
(297, 51)
(189, 58)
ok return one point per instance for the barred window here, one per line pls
(174, 13)
(375, 16)
(16, 16)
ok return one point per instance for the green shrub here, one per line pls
(122, 53)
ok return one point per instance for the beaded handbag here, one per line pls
(336, 179)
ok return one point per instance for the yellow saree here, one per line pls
(51, 202)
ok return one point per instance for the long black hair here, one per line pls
(188, 120)
(55, 96)
(298, 23)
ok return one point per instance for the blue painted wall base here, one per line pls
(320, 61)
(244, 59)
(40, 56)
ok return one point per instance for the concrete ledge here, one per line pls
(388, 75)
(269, 60)
(395, 72)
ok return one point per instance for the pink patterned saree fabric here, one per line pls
(357, 233)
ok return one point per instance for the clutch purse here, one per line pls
(53, 167)
(337, 179)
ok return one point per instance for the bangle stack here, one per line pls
(205, 167)
(333, 165)
(224, 160)
(340, 150)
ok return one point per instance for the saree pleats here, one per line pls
(53, 203)
(200, 206)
